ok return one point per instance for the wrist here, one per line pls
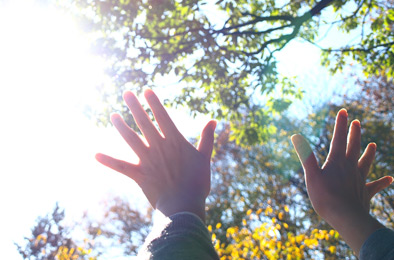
(354, 227)
(171, 206)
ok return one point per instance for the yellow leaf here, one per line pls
(268, 210)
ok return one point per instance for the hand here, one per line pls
(172, 173)
(338, 190)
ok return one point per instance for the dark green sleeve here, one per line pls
(184, 236)
(379, 246)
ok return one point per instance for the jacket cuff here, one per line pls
(379, 245)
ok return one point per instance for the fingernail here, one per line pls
(345, 111)
(149, 93)
(356, 122)
(148, 90)
(294, 139)
(302, 147)
(128, 95)
(214, 124)
(374, 144)
(114, 117)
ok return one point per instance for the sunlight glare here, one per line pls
(47, 144)
(45, 59)
(47, 77)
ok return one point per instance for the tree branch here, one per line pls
(296, 22)
(315, 10)
(257, 20)
(286, 38)
(350, 16)
(258, 32)
(389, 44)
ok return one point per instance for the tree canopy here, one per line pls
(222, 53)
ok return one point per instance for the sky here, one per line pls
(47, 144)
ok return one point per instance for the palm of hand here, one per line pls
(340, 185)
(177, 170)
(172, 173)
(341, 188)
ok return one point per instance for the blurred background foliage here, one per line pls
(224, 65)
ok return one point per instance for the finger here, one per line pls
(141, 117)
(354, 142)
(129, 135)
(305, 154)
(166, 125)
(205, 145)
(378, 185)
(338, 142)
(366, 160)
(128, 169)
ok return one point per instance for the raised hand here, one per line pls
(338, 190)
(172, 173)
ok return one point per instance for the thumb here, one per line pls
(374, 187)
(207, 137)
(305, 154)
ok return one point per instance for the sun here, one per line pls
(45, 58)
